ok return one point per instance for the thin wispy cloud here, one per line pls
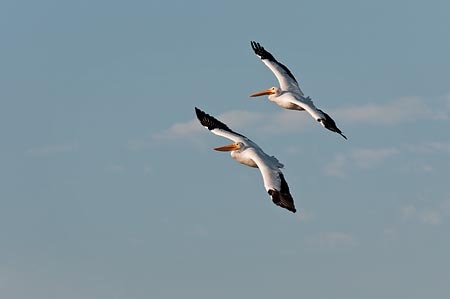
(430, 147)
(139, 144)
(305, 216)
(390, 233)
(332, 239)
(115, 168)
(447, 102)
(408, 212)
(405, 109)
(177, 130)
(52, 149)
(197, 231)
(287, 121)
(434, 215)
(361, 158)
(444, 207)
(337, 166)
(369, 158)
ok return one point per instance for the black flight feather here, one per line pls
(211, 122)
(264, 54)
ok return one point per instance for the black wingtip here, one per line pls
(200, 114)
(260, 51)
(330, 124)
(283, 200)
(254, 46)
(204, 118)
(211, 122)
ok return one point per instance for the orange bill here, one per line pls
(262, 93)
(227, 148)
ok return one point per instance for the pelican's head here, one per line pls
(230, 147)
(271, 91)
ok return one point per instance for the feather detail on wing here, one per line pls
(285, 78)
(283, 198)
(307, 104)
(217, 127)
(274, 181)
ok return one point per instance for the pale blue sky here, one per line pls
(110, 188)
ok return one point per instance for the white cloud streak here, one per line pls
(426, 215)
(337, 167)
(433, 217)
(287, 121)
(362, 158)
(397, 111)
(369, 158)
(429, 148)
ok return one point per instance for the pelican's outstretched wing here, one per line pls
(285, 78)
(217, 127)
(274, 180)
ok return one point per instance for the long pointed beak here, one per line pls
(262, 93)
(227, 148)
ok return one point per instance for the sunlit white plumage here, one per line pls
(289, 95)
(249, 153)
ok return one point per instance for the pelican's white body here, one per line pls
(246, 152)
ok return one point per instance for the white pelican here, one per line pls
(249, 153)
(289, 95)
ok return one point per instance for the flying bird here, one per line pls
(289, 95)
(246, 152)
